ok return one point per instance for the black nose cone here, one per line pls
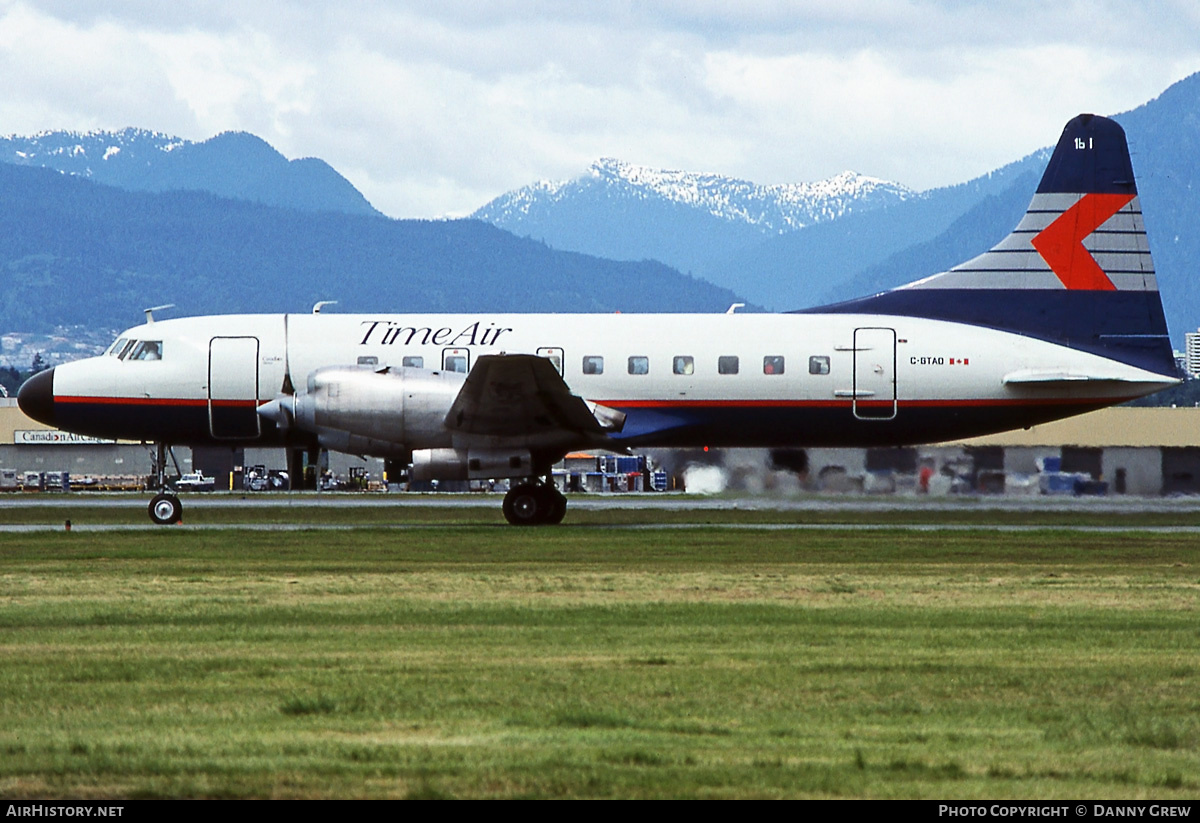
(36, 397)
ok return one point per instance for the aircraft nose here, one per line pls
(36, 397)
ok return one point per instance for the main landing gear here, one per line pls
(165, 508)
(533, 503)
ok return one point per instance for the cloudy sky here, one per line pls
(433, 108)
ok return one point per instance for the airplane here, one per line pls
(1061, 317)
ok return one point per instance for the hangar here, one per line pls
(1124, 450)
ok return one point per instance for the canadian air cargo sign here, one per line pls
(52, 437)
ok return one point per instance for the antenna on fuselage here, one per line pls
(734, 307)
(320, 304)
(150, 312)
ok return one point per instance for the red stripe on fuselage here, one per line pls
(156, 401)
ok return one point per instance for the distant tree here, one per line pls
(38, 364)
(11, 380)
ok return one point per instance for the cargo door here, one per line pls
(233, 388)
(874, 374)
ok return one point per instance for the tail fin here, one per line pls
(1076, 271)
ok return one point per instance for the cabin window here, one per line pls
(369, 360)
(413, 361)
(727, 364)
(818, 364)
(773, 364)
(593, 364)
(456, 360)
(147, 350)
(683, 364)
(639, 365)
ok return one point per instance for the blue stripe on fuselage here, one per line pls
(1126, 326)
(183, 424)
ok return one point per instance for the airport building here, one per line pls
(1116, 451)
(1191, 354)
(1131, 451)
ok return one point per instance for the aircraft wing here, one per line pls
(523, 396)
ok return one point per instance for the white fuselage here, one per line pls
(720, 379)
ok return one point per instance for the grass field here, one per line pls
(466, 659)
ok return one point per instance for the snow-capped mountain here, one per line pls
(88, 154)
(628, 212)
(777, 208)
(232, 164)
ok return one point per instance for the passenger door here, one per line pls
(874, 373)
(233, 388)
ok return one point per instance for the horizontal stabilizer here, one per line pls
(1050, 379)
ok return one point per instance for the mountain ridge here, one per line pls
(77, 252)
(232, 164)
(776, 207)
(624, 211)
(867, 250)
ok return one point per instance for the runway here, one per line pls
(307, 506)
(666, 501)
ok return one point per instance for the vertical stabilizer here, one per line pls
(1077, 270)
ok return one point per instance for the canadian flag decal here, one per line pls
(1061, 243)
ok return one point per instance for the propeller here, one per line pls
(281, 411)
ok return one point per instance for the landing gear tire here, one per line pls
(166, 510)
(524, 506)
(531, 504)
(559, 508)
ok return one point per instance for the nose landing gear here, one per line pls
(165, 508)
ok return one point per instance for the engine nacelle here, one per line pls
(360, 411)
(470, 464)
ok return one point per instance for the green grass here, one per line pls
(482, 661)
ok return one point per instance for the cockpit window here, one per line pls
(117, 347)
(147, 350)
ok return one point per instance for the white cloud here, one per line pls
(237, 80)
(433, 109)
